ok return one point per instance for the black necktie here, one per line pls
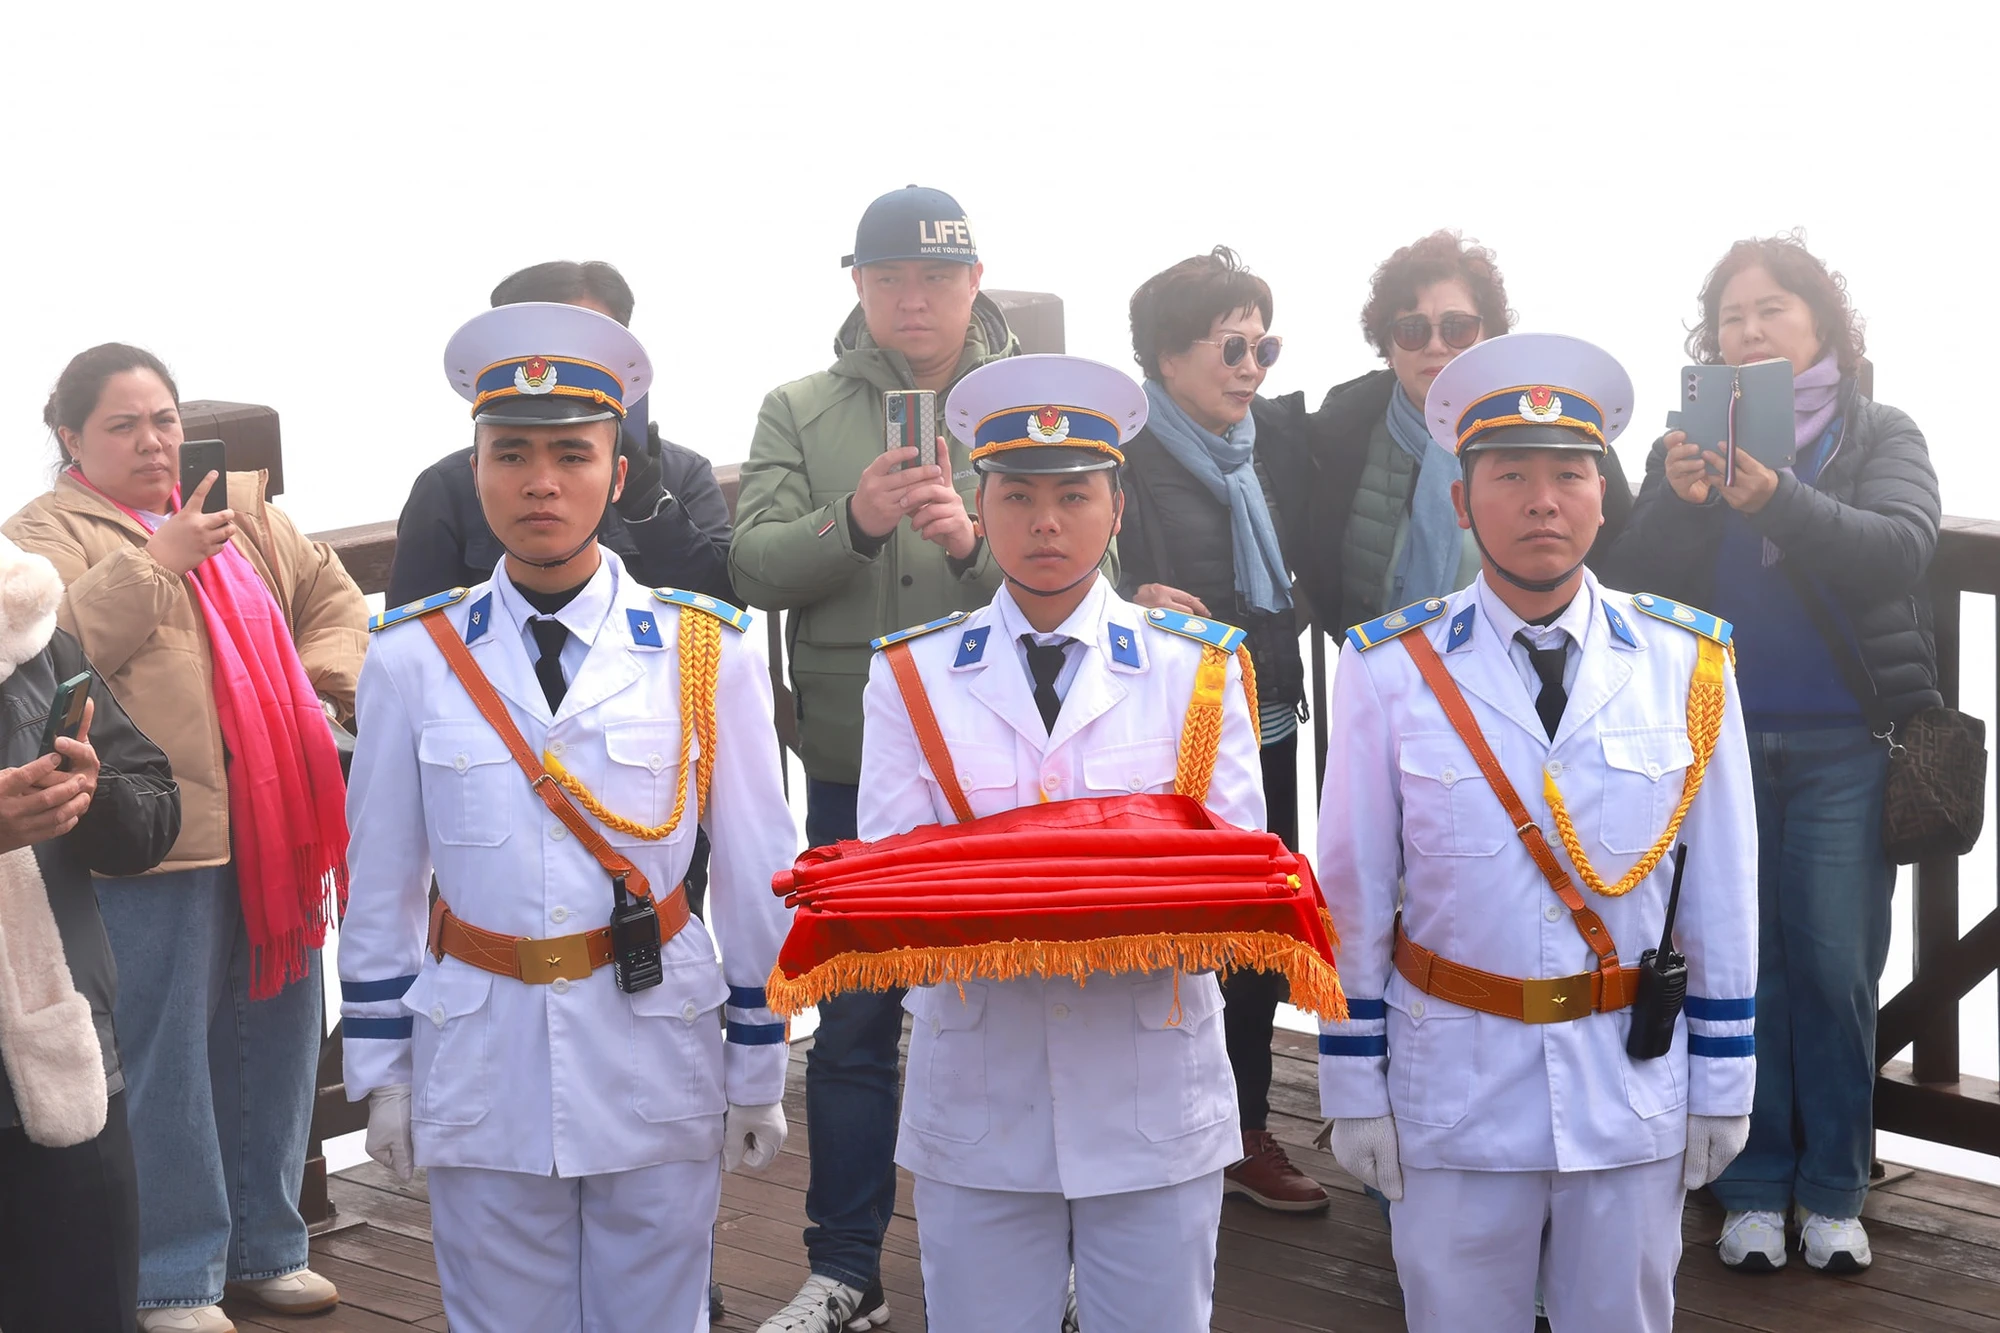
(1045, 664)
(550, 637)
(1549, 664)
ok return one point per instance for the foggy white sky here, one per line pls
(296, 205)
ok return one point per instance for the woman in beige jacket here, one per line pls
(223, 635)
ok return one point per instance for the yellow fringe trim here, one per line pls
(701, 662)
(1706, 694)
(1315, 985)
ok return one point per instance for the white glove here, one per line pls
(751, 1136)
(389, 1130)
(1366, 1150)
(1713, 1142)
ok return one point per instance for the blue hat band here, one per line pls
(1530, 405)
(560, 376)
(1041, 427)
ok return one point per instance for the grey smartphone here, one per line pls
(66, 713)
(1744, 408)
(198, 459)
(911, 415)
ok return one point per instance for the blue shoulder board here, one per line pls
(1687, 617)
(723, 611)
(1384, 628)
(917, 631)
(1211, 632)
(411, 610)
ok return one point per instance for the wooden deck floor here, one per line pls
(1936, 1241)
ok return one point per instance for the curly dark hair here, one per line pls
(1178, 305)
(1800, 272)
(1438, 257)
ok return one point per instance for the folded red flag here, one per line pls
(1064, 889)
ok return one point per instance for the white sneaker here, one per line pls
(828, 1305)
(186, 1319)
(1753, 1242)
(1834, 1244)
(300, 1291)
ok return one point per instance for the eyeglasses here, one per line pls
(1235, 345)
(1413, 332)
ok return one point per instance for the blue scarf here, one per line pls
(1221, 463)
(1429, 565)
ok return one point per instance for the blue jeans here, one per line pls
(219, 1090)
(852, 1099)
(1823, 891)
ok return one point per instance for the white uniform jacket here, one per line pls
(1047, 1086)
(1404, 801)
(575, 1077)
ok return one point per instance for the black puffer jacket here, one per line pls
(1336, 441)
(1175, 532)
(132, 821)
(1865, 534)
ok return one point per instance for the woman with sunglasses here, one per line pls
(1383, 532)
(1844, 535)
(1202, 534)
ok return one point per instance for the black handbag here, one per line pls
(1935, 801)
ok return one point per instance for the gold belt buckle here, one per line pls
(542, 961)
(1555, 999)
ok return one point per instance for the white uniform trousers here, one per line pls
(1607, 1243)
(998, 1261)
(626, 1252)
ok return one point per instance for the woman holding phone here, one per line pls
(1845, 534)
(231, 639)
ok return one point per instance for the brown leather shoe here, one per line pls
(1267, 1177)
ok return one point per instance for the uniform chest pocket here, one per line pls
(945, 1089)
(979, 767)
(1645, 769)
(1138, 766)
(1449, 809)
(1433, 1060)
(451, 1043)
(468, 779)
(641, 782)
(677, 1044)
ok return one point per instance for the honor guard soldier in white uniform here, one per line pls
(1516, 764)
(1043, 1119)
(548, 1044)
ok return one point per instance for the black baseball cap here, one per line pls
(915, 222)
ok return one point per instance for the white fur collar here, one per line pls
(30, 591)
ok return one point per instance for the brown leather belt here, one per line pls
(1529, 1000)
(538, 962)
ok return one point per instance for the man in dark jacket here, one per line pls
(670, 526)
(69, 1203)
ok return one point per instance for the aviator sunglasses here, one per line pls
(1413, 332)
(1235, 345)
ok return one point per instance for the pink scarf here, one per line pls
(287, 803)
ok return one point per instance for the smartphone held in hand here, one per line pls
(198, 459)
(912, 424)
(1744, 408)
(66, 713)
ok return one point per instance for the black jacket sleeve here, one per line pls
(1617, 513)
(136, 814)
(1667, 545)
(1880, 544)
(680, 528)
(430, 547)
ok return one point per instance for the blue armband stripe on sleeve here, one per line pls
(385, 1029)
(368, 992)
(1719, 1011)
(757, 1034)
(1361, 1011)
(1366, 1046)
(746, 997)
(1721, 1048)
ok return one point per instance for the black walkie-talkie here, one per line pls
(635, 940)
(1663, 983)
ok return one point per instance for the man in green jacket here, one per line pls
(855, 542)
